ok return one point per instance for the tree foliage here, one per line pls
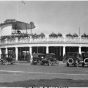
(54, 35)
(85, 35)
(41, 35)
(72, 36)
(69, 35)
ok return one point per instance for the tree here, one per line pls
(53, 35)
(84, 35)
(69, 35)
(34, 35)
(42, 35)
(75, 35)
(59, 35)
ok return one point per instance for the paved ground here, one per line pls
(25, 71)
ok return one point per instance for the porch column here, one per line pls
(6, 52)
(63, 50)
(16, 52)
(47, 49)
(30, 50)
(79, 50)
(31, 54)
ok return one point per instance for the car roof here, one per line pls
(84, 52)
(73, 52)
(37, 54)
(50, 54)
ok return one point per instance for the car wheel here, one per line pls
(6, 63)
(75, 64)
(57, 62)
(67, 65)
(39, 63)
(50, 63)
(0, 62)
(83, 64)
(11, 63)
(32, 63)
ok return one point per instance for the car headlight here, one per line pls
(42, 57)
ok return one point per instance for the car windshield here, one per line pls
(85, 54)
(70, 54)
(38, 55)
(50, 56)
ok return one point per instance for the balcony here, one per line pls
(59, 40)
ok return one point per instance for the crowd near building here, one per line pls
(25, 44)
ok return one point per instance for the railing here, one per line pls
(44, 40)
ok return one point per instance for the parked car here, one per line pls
(37, 57)
(49, 59)
(84, 59)
(72, 59)
(7, 59)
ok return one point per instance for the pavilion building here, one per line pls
(24, 44)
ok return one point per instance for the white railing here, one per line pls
(44, 40)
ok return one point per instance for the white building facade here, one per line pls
(60, 46)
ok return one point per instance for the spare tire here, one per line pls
(86, 61)
(70, 61)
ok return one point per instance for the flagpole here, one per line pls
(16, 15)
(17, 9)
(79, 32)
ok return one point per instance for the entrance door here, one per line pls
(23, 53)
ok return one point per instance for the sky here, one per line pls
(48, 16)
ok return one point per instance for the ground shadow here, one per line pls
(57, 82)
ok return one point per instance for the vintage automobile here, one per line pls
(72, 59)
(7, 59)
(49, 60)
(85, 59)
(37, 58)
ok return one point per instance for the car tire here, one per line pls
(11, 63)
(0, 62)
(5, 63)
(75, 65)
(50, 63)
(83, 64)
(39, 63)
(32, 63)
(67, 65)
